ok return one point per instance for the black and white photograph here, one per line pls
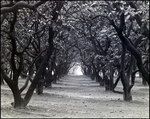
(75, 59)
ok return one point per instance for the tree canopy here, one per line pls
(40, 40)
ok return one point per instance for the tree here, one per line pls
(108, 10)
(130, 47)
(16, 62)
(104, 36)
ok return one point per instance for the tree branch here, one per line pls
(101, 16)
(122, 22)
(20, 5)
(6, 78)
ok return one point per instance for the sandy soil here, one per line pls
(78, 97)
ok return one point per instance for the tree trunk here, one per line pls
(41, 68)
(102, 82)
(54, 81)
(2, 80)
(144, 82)
(116, 82)
(48, 83)
(39, 87)
(97, 77)
(36, 78)
(31, 71)
(111, 79)
(18, 101)
(48, 79)
(131, 48)
(106, 83)
(105, 79)
(127, 94)
(92, 75)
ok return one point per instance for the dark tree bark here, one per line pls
(18, 101)
(2, 80)
(48, 79)
(131, 48)
(115, 84)
(39, 87)
(13, 83)
(41, 68)
(125, 82)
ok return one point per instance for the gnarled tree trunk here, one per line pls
(125, 82)
(41, 68)
(130, 47)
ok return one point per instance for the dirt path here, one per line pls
(79, 96)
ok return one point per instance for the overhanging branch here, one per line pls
(20, 5)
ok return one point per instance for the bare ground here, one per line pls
(79, 97)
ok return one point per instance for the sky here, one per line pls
(76, 70)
